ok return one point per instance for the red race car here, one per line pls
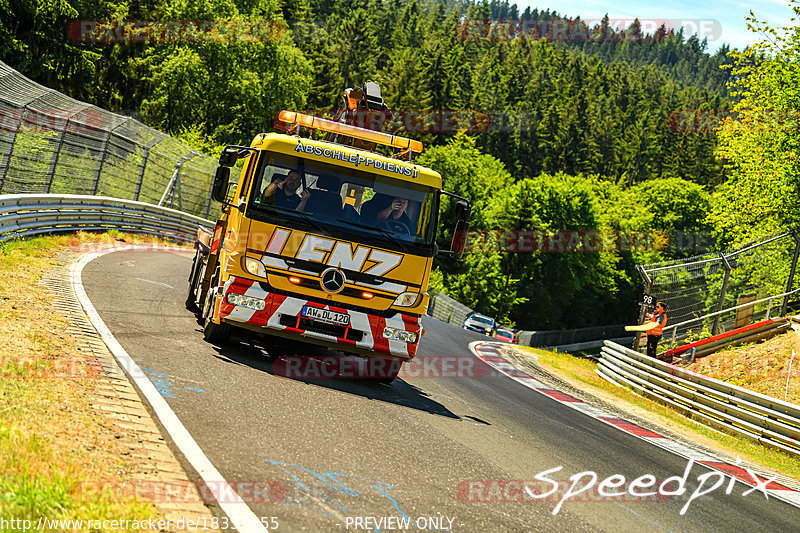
(505, 335)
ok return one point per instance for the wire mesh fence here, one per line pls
(706, 284)
(51, 143)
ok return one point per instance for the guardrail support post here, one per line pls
(790, 280)
(722, 292)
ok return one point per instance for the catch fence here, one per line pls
(707, 284)
(53, 144)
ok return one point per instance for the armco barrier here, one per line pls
(26, 215)
(571, 336)
(769, 420)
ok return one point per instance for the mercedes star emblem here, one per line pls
(332, 280)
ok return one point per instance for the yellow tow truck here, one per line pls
(325, 241)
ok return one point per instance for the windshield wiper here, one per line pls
(382, 231)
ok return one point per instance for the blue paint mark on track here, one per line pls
(330, 481)
(161, 382)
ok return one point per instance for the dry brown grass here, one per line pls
(761, 367)
(58, 458)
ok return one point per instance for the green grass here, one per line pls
(56, 459)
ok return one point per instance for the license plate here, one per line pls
(325, 315)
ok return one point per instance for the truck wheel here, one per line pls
(214, 333)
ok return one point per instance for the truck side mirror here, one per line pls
(219, 190)
(228, 157)
(463, 210)
(459, 242)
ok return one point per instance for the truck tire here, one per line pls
(214, 333)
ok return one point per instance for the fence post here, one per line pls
(57, 152)
(174, 184)
(12, 142)
(648, 288)
(169, 191)
(722, 292)
(104, 155)
(144, 165)
(790, 280)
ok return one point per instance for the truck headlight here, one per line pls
(245, 301)
(407, 299)
(409, 337)
(255, 267)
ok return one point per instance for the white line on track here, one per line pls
(241, 516)
(160, 284)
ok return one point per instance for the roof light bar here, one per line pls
(309, 121)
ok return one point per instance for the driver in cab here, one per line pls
(284, 190)
(378, 213)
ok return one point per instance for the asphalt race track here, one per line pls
(449, 452)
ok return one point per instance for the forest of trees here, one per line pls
(615, 130)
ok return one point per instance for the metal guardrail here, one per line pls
(768, 420)
(26, 215)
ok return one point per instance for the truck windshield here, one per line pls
(343, 201)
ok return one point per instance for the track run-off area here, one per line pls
(459, 442)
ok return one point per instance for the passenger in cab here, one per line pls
(382, 210)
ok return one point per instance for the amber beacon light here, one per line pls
(309, 121)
